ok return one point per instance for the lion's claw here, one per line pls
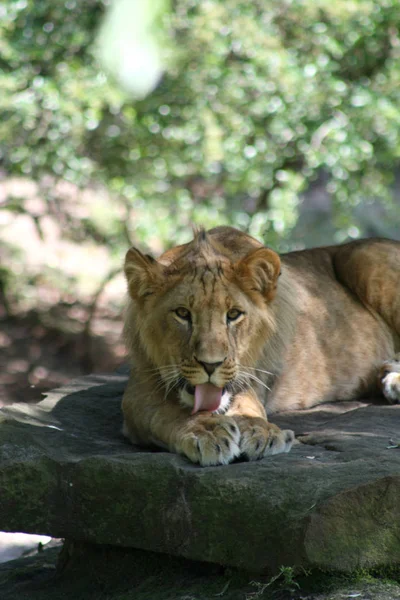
(260, 438)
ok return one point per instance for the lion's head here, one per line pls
(200, 314)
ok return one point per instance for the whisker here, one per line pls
(158, 387)
(166, 372)
(169, 388)
(161, 368)
(254, 369)
(241, 382)
(165, 382)
(152, 376)
(163, 376)
(255, 378)
(261, 383)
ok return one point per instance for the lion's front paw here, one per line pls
(210, 440)
(260, 438)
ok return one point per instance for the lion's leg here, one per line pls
(371, 270)
(258, 437)
(389, 379)
(205, 438)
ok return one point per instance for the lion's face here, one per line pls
(203, 320)
(205, 327)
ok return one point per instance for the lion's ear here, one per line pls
(143, 273)
(259, 272)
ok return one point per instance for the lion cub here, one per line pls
(222, 329)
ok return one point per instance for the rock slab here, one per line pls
(333, 502)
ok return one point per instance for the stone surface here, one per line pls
(14, 545)
(333, 502)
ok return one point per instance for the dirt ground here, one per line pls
(106, 573)
(41, 351)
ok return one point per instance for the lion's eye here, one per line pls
(183, 313)
(233, 314)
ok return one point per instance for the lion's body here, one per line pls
(212, 328)
(340, 338)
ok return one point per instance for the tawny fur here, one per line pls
(317, 326)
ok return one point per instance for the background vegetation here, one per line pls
(281, 117)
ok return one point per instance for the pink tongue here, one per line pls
(206, 397)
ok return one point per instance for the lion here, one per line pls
(223, 331)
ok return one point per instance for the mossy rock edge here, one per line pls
(331, 503)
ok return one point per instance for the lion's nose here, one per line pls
(210, 367)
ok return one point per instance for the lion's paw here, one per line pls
(260, 438)
(391, 387)
(210, 440)
(390, 380)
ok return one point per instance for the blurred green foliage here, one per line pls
(260, 99)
